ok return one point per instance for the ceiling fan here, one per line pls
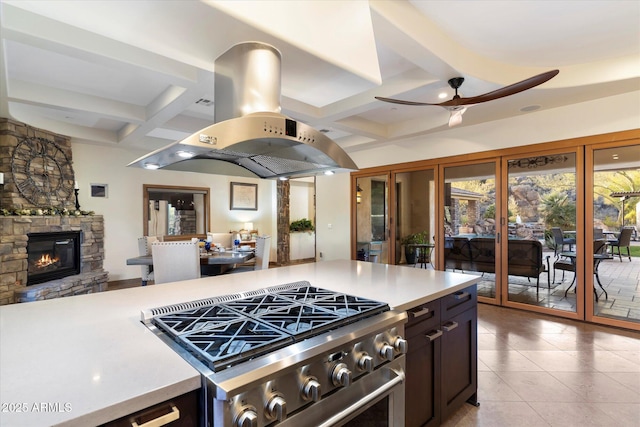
(458, 105)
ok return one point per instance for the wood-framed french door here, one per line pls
(522, 193)
(470, 235)
(543, 191)
(613, 203)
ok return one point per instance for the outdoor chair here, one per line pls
(598, 234)
(599, 248)
(624, 241)
(559, 241)
(564, 264)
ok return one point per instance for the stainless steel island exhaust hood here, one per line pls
(249, 129)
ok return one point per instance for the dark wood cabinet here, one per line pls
(184, 410)
(442, 358)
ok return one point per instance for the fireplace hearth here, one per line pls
(52, 255)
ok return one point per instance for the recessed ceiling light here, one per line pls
(530, 108)
(185, 154)
(443, 95)
(283, 178)
(152, 166)
(328, 172)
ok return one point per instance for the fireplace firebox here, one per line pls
(52, 255)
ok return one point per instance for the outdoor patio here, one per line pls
(621, 280)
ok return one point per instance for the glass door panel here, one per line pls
(470, 223)
(541, 245)
(415, 218)
(616, 222)
(372, 217)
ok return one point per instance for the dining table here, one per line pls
(212, 263)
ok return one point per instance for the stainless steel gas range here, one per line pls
(291, 355)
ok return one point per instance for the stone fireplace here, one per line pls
(69, 260)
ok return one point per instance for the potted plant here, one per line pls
(303, 224)
(415, 238)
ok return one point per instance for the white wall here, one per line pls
(333, 213)
(301, 192)
(123, 209)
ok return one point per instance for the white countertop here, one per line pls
(88, 359)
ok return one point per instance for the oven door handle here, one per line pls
(380, 391)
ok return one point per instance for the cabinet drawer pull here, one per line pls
(420, 312)
(433, 335)
(162, 420)
(461, 295)
(450, 326)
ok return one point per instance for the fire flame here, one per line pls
(45, 261)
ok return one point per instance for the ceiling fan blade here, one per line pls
(507, 90)
(457, 101)
(401, 102)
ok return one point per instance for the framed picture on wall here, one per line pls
(100, 190)
(244, 196)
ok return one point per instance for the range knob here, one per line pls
(365, 362)
(276, 408)
(387, 351)
(400, 344)
(341, 375)
(311, 389)
(247, 418)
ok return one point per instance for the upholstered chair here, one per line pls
(144, 248)
(175, 261)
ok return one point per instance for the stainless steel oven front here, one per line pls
(348, 377)
(377, 400)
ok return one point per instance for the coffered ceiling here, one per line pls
(139, 74)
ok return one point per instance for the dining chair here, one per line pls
(624, 240)
(144, 248)
(175, 261)
(260, 261)
(263, 251)
(559, 241)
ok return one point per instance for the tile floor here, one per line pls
(537, 370)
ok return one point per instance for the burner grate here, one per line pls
(231, 330)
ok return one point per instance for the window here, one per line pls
(175, 211)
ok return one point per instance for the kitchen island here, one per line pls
(88, 359)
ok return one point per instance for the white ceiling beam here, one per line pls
(30, 93)
(24, 113)
(169, 104)
(35, 30)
